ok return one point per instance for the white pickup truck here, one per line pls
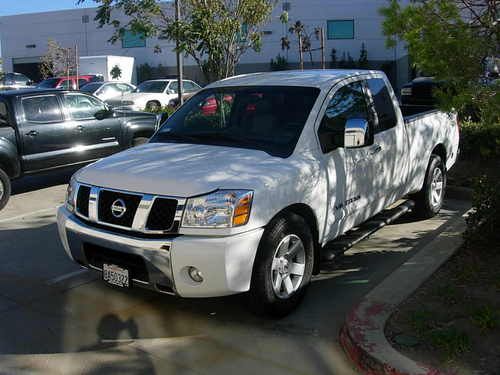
(245, 193)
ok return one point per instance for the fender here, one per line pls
(143, 126)
(9, 157)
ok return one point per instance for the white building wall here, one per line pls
(20, 33)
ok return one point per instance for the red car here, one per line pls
(69, 82)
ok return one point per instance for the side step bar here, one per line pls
(344, 242)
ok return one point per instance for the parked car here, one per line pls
(14, 81)
(152, 95)
(421, 91)
(108, 90)
(249, 198)
(41, 130)
(69, 82)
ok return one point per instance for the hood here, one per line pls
(184, 170)
(138, 96)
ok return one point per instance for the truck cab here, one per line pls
(247, 196)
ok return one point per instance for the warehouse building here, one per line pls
(348, 25)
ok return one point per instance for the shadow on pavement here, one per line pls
(44, 318)
(43, 180)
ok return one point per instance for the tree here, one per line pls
(333, 55)
(215, 33)
(58, 60)
(116, 72)
(451, 40)
(363, 57)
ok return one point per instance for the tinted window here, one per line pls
(82, 106)
(124, 88)
(90, 87)
(152, 86)
(48, 83)
(347, 103)
(82, 82)
(42, 109)
(267, 118)
(21, 79)
(384, 105)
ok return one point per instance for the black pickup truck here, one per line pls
(47, 129)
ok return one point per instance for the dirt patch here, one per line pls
(453, 320)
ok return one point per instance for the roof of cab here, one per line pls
(307, 78)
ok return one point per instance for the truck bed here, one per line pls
(411, 112)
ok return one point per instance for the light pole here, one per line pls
(179, 56)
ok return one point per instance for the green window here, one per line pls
(133, 40)
(340, 29)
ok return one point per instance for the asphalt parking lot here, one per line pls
(57, 318)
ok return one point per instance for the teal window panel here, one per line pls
(133, 40)
(340, 29)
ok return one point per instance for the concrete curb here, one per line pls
(362, 335)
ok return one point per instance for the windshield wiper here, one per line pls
(223, 137)
(177, 136)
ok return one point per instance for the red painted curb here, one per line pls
(363, 341)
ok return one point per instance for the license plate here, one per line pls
(115, 275)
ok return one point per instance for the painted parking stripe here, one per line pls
(66, 276)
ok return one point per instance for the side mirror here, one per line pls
(355, 133)
(102, 114)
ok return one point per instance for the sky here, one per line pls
(9, 7)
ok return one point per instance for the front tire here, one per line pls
(5, 189)
(283, 266)
(429, 200)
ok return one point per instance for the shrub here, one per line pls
(483, 223)
(280, 63)
(480, 141)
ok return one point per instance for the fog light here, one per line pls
(195, 274)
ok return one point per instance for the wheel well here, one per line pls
(307, 213)
(7, 168)
(440, 150)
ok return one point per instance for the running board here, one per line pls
(344, 242)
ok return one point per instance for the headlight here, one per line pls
(221, 209)
(70, 195)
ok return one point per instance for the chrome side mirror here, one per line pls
(355, 133)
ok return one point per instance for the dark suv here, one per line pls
(48, 129)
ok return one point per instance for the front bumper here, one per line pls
(225, 262)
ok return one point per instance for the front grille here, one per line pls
(97, 255)
(106, 200)
(82, 200)
(162, 214)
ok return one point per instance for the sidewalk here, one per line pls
(362, 335)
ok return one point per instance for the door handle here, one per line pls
(32, 133)
(80, 128)
(376, 150)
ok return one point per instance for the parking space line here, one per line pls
(34, 213)
(58, 279)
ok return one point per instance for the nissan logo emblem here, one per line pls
(118, 208)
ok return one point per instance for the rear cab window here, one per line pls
(384, 106)
(42, 109)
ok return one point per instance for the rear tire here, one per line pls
(429, 200)
(283, 266)
(139, 141)
(5, 189)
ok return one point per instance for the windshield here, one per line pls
(267, 118)
(152, 86)
(90, 87)
(48, 83)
